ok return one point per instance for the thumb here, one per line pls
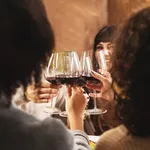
(106, 74)
(98, 76)
(69, 91)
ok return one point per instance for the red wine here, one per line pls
(52, 80)
(70, 80)
(91, 79)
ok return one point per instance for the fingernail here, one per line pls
(93, 72)
(59, 86)
(88, 82)
(100, 70)
(89, 94)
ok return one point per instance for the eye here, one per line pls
(111, 46)
(99, 47)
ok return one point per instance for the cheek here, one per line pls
(96, 55)
(111, 51)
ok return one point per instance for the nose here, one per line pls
(106, 52)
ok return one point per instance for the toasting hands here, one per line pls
(42, 93)
(104, 87)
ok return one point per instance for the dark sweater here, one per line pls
(20, 131)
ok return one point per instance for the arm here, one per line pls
(35, 134)
(65, 139)
(75, 106)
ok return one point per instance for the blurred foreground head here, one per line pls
(25, 37)
(131, 73)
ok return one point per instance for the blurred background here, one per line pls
(76, 22)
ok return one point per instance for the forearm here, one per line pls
(108, 95)
(81, 140)
(76, 122)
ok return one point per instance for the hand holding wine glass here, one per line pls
(67, 71)
(104, 89)
(42, 93)
(87, 75)
(75, 106)
(50, 76)
(67, 68)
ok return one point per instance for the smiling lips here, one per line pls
(107, 59)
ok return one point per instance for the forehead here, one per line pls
(104, 43)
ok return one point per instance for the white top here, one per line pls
(36, 109)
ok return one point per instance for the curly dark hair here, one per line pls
(106, 34)
(131, 73)
(25, 37)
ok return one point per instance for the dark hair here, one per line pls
(106, 34)
(131, 73)
(25, 37)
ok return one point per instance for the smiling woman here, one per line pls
(103, 42)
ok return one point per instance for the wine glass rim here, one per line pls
(65, 51)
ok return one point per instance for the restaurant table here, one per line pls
(93, 140)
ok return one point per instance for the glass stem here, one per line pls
(95, 105)
(52, 102)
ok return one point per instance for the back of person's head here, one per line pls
(131, 73)
(106, 34)
(25, 37)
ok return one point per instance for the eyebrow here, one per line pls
(98, 45)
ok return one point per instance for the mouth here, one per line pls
(107, 60)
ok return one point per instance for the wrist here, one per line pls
(108, 95)
(76, 122)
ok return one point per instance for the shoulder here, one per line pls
(19, 126)
(55, 133)
(110, 139)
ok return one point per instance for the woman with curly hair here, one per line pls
(131, 80)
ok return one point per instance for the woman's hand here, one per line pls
(42, 93)
(104, 87)
(75, 106)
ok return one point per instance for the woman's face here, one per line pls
(107, 48)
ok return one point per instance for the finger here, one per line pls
(80, 89)
(49, 85)
(69, 91)
(98, 95)
(43, 101)
(86, 97)
(98, 76)
(94, 87)
(107, 74)
(94, 84)
(47, 90)
(76, 90)
(46, 96)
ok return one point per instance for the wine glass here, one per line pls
(86, 68)
(67, 70)
(51, 77)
